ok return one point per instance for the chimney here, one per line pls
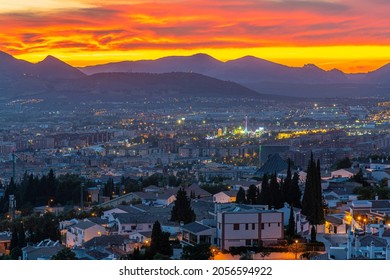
(372, 250)
(381, 229)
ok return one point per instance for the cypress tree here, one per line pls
(251, 195)
(159, 242)
(294, 192)
(291, 223)
(265, 194)
(182, 211)
(276, 195)
(14, 238)
(287, 185)
(155, 242)
(21, 236)
(241, 196)
(312, 205)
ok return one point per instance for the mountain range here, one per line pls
(55, 80)
(175, 76)
(264, 76)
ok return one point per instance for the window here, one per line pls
(246, 226)
(269, 224)
(278, 224)
(253, 226)
(262, 225)
(236, 226)
(248, 242)
(149, 226)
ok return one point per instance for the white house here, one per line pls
(155, 198)
(81, 232)
(362, 247)
(243, 225)
(225, 197)
(335, 224)
(341, 173)
(128, 223)
(197, 233)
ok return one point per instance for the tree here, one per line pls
(109, 188)
(276, 195)
(291, 223)
(295, 192)
(16, 253)
(343, 163)
(312, 203)
(182, 211)
(251, 196)
(287, 185)
(14, 238)
(159, 242)
(197, 252)
(21, 236)
(64, 254)
(241, 196)
(265, 195)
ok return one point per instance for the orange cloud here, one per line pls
(120, 29)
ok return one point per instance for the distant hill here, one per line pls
(55, 80)
(48, 69)
(52, 68)
(196, 75)
(127, 86)
(263, 76)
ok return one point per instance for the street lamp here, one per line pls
(296, 248)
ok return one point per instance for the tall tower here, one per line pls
(12, 206)
(246, 124)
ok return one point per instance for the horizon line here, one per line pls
(191, 55)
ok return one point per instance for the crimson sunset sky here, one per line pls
(352, 35)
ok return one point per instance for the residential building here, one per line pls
(44, 250)
(82, 231)
(225, 196)
(244, 225)
(196, 233)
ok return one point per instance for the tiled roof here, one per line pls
(84, 225)
(195, 227)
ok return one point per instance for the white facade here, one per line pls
(128, 227)
(248, 228)
(223, 197)
(77, 234)
(341, 173)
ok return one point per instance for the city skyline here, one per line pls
(331, 34)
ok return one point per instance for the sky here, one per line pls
(351, 35)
